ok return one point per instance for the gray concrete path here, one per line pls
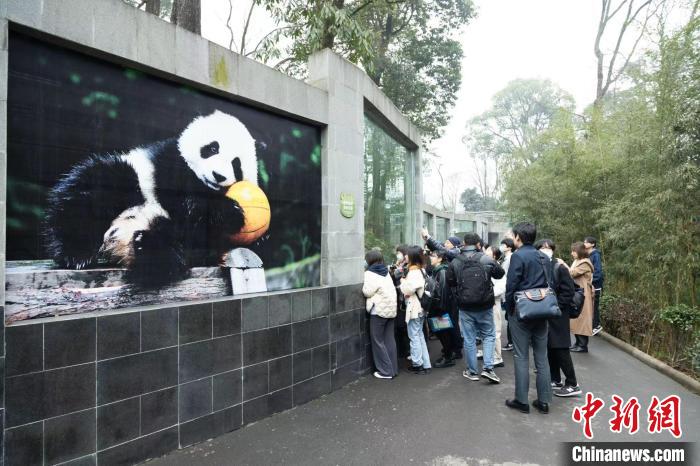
(442, 419)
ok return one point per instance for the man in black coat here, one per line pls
(529, 269)
(559, 334)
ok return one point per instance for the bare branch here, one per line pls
(245, 27)
(228, 24)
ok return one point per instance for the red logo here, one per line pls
(587, 412)
(665, 415)
(626, 416)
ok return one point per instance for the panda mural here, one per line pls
(157, 210)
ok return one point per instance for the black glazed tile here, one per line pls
(25, 349)
(141, 449)
(90, 460)
(302, 366)
(158, 328)
(135, 375)
(69, 342)
(228, 389)
(209, 357)
(346, 374)
(320, 360)
(195, 323)
(255, 381)
(227, 317)
(310, 333)
(320, 302)
(311, 389)
(348, 297)
(210, 426)
(68, 437)
(280, 373)
(32, 397)
(23, 445)
(344, 325)
(268, 405)
(255, 313)
(195, 399)
(2, 394)
(158, 410)
(267, 344)
(118, 335)
(348, 350)
(117, 423)
(301, 306)
(280, 309)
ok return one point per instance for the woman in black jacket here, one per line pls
(449, 338)
(558, 337)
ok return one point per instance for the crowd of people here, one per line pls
(461, 291)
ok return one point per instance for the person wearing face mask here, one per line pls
(558, 336)
(449, 248)
(506, 247)
(398, 271)
(449, 338)
(499, 291)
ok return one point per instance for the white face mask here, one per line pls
(399, 256)
(549, 252)
(502, 248)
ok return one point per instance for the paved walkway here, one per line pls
(442, 419)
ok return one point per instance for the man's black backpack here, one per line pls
(431, 294)
(474, 286)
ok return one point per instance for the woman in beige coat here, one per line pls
(582, 272)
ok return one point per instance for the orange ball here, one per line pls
(256, 209)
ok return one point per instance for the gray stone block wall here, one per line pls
(104, 421)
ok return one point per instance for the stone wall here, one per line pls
(120, 387)
(125, 387)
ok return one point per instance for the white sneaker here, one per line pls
(380, 376)
(597, 330)
(470, 375)
(479, 354)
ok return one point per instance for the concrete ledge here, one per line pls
(683, 379)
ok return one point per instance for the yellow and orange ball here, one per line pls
(256, 209)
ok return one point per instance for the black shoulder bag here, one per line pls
(537, 303)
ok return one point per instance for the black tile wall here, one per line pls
(118, 335)
(158, 328)
(228, 389)
(310, 333)
(210, 426)
(267, 344)
(255, 381)
(227, 318)
(25, 349)
(158, 410)
(280, 309)
(255, 313)
(41, 395)
(69, 342)
(123, 388)
(195, 399)
(133, 375)
(195, 323)
(118, 422)
(301, 306)
(209, 357)
(141, 449)
(24, 445)
(68, 437)
(280, 373)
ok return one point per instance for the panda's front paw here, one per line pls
(158, 259)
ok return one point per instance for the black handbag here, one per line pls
(537, 303)
(577, 303)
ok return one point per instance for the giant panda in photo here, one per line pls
(156, 210)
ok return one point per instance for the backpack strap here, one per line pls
(544, 269)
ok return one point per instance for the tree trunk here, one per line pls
(153, 6)
(188, 14)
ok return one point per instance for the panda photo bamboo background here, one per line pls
(121, 176)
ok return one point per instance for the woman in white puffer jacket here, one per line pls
(412, 287)
(380, 292)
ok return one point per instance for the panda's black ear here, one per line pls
(260, 146)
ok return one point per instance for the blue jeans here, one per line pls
(419, 349)
(472, 324)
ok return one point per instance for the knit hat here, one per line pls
(454, 240)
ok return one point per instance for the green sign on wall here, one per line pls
(347, 205)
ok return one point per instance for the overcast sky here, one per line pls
(509, 39)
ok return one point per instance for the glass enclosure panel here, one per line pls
(464, 226)
(442, 228)
(389, 171)
(428, 220)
